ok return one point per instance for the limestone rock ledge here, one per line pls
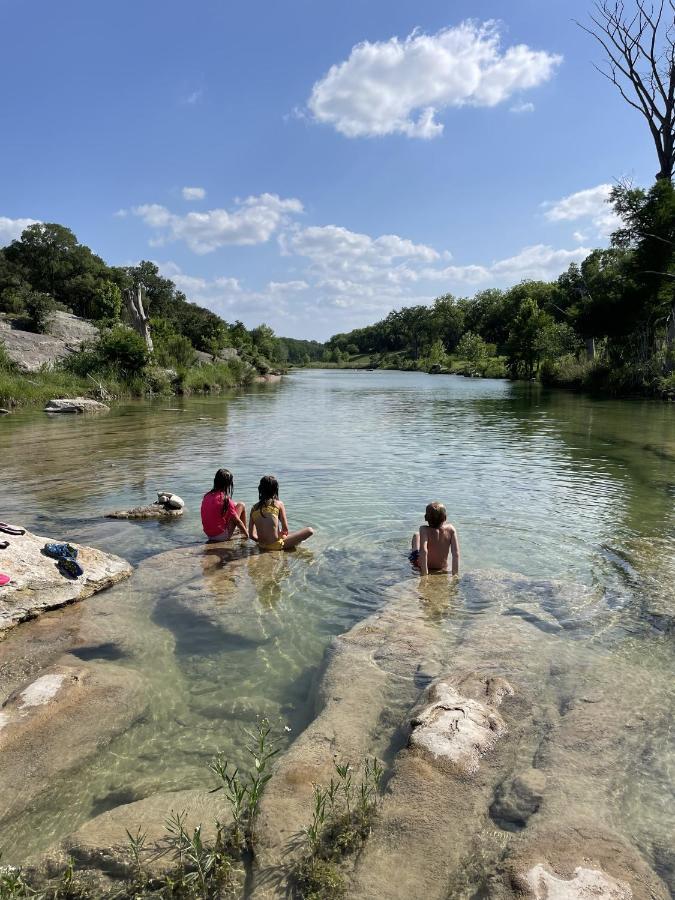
(51, 725)
(101, 845)
(37, 584)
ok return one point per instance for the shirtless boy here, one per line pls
(435, 542)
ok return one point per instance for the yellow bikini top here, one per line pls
(261, 512)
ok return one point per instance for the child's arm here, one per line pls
(424, 570)
(284, 520)
(454, 548)
(252, 530)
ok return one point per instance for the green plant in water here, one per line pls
(244, 795)
(341, 819)
(136, 846)
(314, 831)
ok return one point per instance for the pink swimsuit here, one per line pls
(215, 521)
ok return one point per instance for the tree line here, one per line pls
(47, 269)
(608, 322)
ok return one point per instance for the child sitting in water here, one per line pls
(269, 525)
(220, 514)
(434, 542)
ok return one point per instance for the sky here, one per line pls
(314, 165)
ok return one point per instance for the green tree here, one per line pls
(474, 350)
(447, 319)
(527, 339)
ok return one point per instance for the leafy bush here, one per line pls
(173, 351)
(107, 302)
(39, 308)
(7, 364)
(124, 350)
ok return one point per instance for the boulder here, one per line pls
(169, 500)
(454, 729)
(369, 679)
(166, 506)
(436, 797)
(52, 724)
(102, 843)
(38, 585)
(75, 405)
(32, 351)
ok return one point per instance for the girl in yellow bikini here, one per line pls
(268, 525)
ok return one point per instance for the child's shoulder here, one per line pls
(449, 528)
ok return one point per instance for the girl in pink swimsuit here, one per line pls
(220, 514)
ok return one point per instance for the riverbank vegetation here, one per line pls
(193, 349)
(607, 324)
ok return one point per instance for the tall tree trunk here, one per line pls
(137, 316)
(590, 349)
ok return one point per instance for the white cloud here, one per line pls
(590, 204)
(194, 97)
(275, 303)
(579, 236)
(253, 221)
(337, 279)
(398, 86)
(10, 229)
(334, 248)
(538, 262)
(521, 108)
(193, 193)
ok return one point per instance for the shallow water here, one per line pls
(555, 487)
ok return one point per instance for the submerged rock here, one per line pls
(585, 884)
(75, 405)
(438, 790)
(52, 724)
(38, 585)
(102, 843)
(518, 798)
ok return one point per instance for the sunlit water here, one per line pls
(549, 485)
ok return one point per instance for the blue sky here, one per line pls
(348, 158)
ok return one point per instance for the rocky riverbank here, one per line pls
(509, 754)
(37, 584)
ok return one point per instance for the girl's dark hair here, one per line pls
(224, 481)
(268, 490)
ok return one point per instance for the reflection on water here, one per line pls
(572, 496)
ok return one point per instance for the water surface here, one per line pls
(549, 485)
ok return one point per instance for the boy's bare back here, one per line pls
(439, 543)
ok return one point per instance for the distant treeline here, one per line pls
(47, 268)
(608, 323)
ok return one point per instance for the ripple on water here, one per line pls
(566, 525)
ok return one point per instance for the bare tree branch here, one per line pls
(639, 46)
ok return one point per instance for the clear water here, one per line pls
(546, 484)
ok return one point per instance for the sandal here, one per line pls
(4, 579)
(11, 529)
(4, 545)
(67, 566)
(60, 551)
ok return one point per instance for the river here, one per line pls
(550, 485)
